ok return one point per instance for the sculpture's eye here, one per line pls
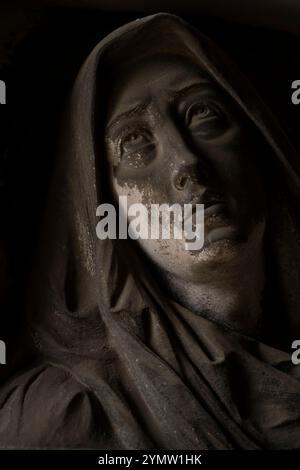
(204, 119)
(136, 147)
(198, 112)
(132, 141)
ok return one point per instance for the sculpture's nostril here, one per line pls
(181, 182)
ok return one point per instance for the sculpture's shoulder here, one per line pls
(47, 407)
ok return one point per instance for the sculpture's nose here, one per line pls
(191, 171)
(187, 176)
(189, 167)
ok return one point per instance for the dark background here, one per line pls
(41, 50)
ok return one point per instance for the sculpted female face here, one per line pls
(171, 136)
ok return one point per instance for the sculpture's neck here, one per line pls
(233, 299)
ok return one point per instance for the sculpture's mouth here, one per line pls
(213, 212)
(219, 225)
(215, 207)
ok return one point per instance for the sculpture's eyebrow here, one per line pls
(136, 110)
(195, 87)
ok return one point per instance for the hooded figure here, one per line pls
(121, 362)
